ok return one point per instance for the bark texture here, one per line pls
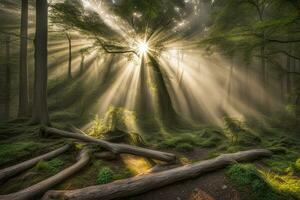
(113, 147)
(143, 183)
(14, 170)
(5, 83)
(23, 74)
(40, 109)
(40, 188)
(70, 56)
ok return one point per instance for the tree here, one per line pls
(5, 83)
(40, 109)
(259, 29)
(23, 74)
(68, 35)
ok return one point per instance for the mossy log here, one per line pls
(144, 183)
(14, 170)
(113, 147)
(37, 190)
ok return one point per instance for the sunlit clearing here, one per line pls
(143, 47)
(284, 183)
(136, 165)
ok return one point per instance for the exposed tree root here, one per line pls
(13, 170)
(113, 147)
(143, 183)
(40, 188)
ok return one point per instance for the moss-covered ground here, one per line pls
(273, 178)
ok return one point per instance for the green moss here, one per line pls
(105, 175)
(122, 174)
(246, 176)
(42, 166)
(14, 151)
(297, 164)
(62, 115)
(284, 183)
(52, 166)
(184, 147)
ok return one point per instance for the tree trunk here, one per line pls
(70, 56)
(288, 76)
(37, 190)
(40, 109)
(164, 102)
(144, 183)
(82, 63)
(263, 79)
(23, 73)
(14, 170)
(113, 147)
(143, 98)
(5, 85)
(229, 86)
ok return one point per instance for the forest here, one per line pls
(150, 99)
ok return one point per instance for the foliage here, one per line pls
(14, 151)
(247, 176)
(115, 118)
(72, 15)
(253, 25)
(184, 147)
(297, 164)
(287, 184)
(233, 127)
(52, 166)
(155, 13)
(105, 175)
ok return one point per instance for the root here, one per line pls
(14, 170)
(144, 183)
(40, 188)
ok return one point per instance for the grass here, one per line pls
(246, 177)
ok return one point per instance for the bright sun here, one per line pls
(143, 47)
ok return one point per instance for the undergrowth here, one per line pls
(246, 176)
(107, 175)
(52, 166)
(15, 151)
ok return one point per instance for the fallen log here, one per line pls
(113, 147)
(14, 170)
(143, 183)
(40, 188)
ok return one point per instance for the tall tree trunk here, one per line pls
(82, 63)
(23, 77)
(143, 98)
(70, 56)
(5, 83)
(282, 96)
(288, 76)
(40, 110)
(263, 73)
(229, 86)
(164, 102)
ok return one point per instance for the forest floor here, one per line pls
(275, 178)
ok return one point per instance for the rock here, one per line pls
(224, 187)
